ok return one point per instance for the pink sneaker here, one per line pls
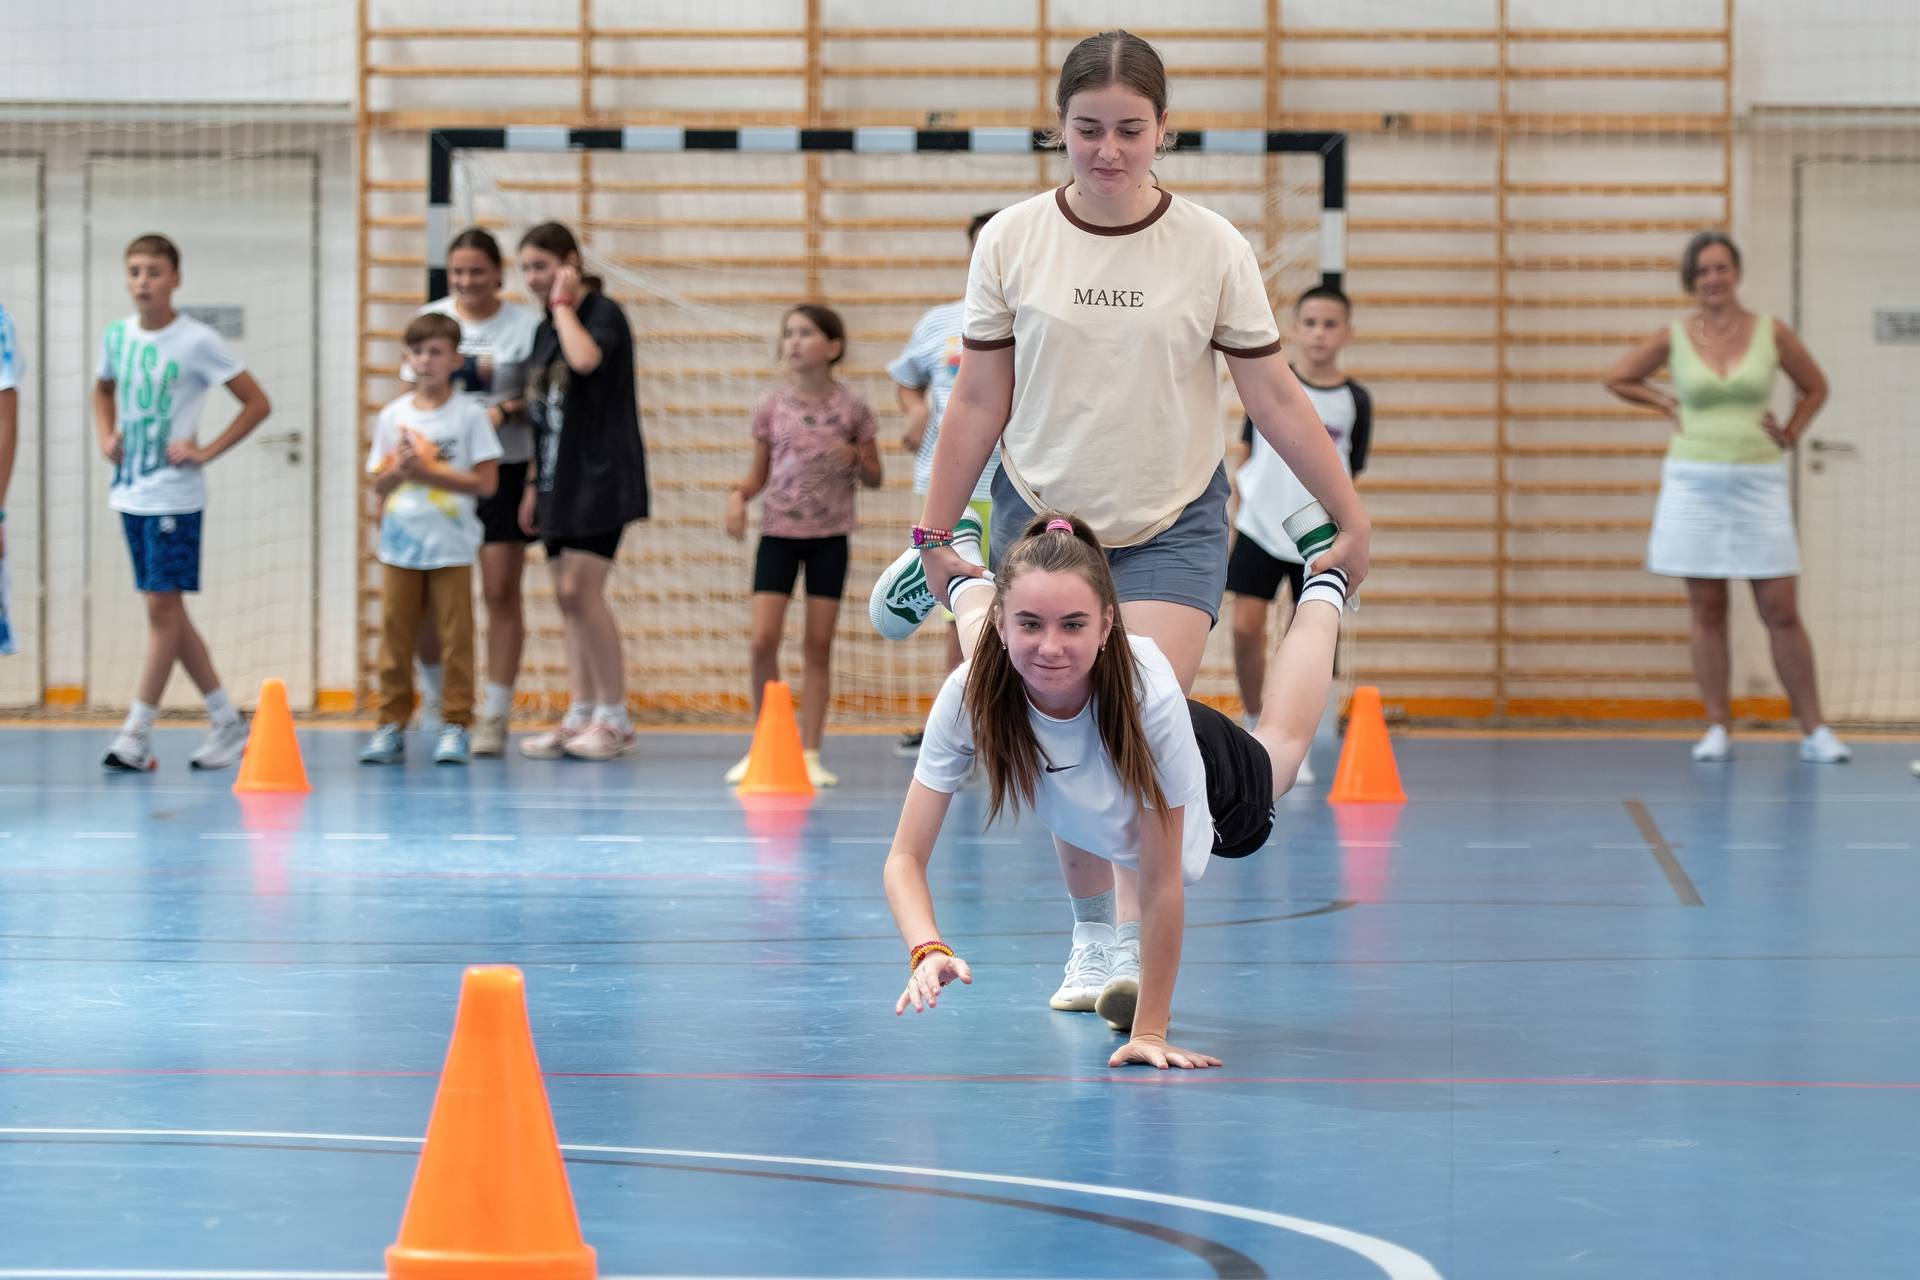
(602, 741)
(552, 744)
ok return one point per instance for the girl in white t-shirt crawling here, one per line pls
(1087, 726)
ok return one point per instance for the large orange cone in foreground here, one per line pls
(490, 1199)
(272, 760)
(775, 765)
(1367, 773)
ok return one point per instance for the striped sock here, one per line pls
(1329, 585)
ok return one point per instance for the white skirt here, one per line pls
(1724, 520)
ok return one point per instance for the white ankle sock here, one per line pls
(960, 586)
(220, 707)
(430, 678)
(1095, 909)
(1329, 585)
(140, 717)
(579, 715)
(498, 700)
(614, 714)
(1129, 932)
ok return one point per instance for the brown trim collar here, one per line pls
(1066, 211)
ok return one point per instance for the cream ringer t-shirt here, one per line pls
(1116, 404)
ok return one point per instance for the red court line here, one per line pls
(1116, 1077)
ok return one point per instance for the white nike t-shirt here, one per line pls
(1080, 798)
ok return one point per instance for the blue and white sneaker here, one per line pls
(901, 599)
(387, 746)
(454, 747)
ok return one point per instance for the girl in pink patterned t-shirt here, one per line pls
(812, 440)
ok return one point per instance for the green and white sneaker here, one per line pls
(901, 599)
(1311, 530)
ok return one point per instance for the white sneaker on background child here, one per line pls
(131, 752)
(1715, 745)
(817, 773)
(388, 745)
(552, 745)
(1821, 747)
(225, 743)
(1121, 995)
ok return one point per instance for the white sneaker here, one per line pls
(901, 599)
(602, 741)
(489, 735)
(131, 753)
(736, 775)
(551, 745)
(1122, 993)
(224, 745)
(1089, 965)
(1715, 746)
(817, 773)
(1821, 747)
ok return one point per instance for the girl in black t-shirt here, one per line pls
(589, 481)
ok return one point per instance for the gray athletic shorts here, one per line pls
(1185, 563)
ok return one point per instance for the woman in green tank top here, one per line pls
(1725, 509)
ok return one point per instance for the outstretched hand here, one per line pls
(1154, 1051)
(1351, 552)
(935, 972)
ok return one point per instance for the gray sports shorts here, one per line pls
(1185, 563)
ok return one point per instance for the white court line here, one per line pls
(374, 836)
(1394, 1261)
(736, 839)
(103, 835)
(1888, 845)
(611, 839)
(233, 835)
(484, 837)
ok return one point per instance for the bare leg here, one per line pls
(1180, 631)
(194, 656)
(1250, 649)
(1707, 602)
(823, 612)
(1087, 874)
(501, 567)
(769, 621)
(1298, 678)
(580, 582)
(1778, 602)
(165, 614)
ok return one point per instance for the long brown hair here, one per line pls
(996, 698)
(555, 238)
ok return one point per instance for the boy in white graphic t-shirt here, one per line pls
(156, 367)
(1263, 556)
(434, 456)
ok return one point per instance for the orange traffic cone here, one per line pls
(1367, 773)
(490, 1196)
(775, 765)
(272, 761)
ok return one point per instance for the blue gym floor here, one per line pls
(1580, 1008)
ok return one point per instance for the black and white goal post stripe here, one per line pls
(444, 144)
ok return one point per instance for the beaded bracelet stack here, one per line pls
(922, 537)
(925, 949)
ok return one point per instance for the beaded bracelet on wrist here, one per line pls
(926, 949)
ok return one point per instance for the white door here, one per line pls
(1860, 462)
(246, 232)
(20, 295)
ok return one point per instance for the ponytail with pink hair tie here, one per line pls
(1062, 525)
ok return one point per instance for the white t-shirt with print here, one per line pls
(931, 361)
(506, 337)
(160, 379)
(1080, 798)
(1116, 400)
(423, 527)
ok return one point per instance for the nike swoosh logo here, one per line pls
(1062, 768)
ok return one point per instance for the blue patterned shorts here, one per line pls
(165, 549)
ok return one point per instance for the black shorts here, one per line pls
(1253, 571)
(1239, 782)
(776, 565)
(604, 545)
(500, 514)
